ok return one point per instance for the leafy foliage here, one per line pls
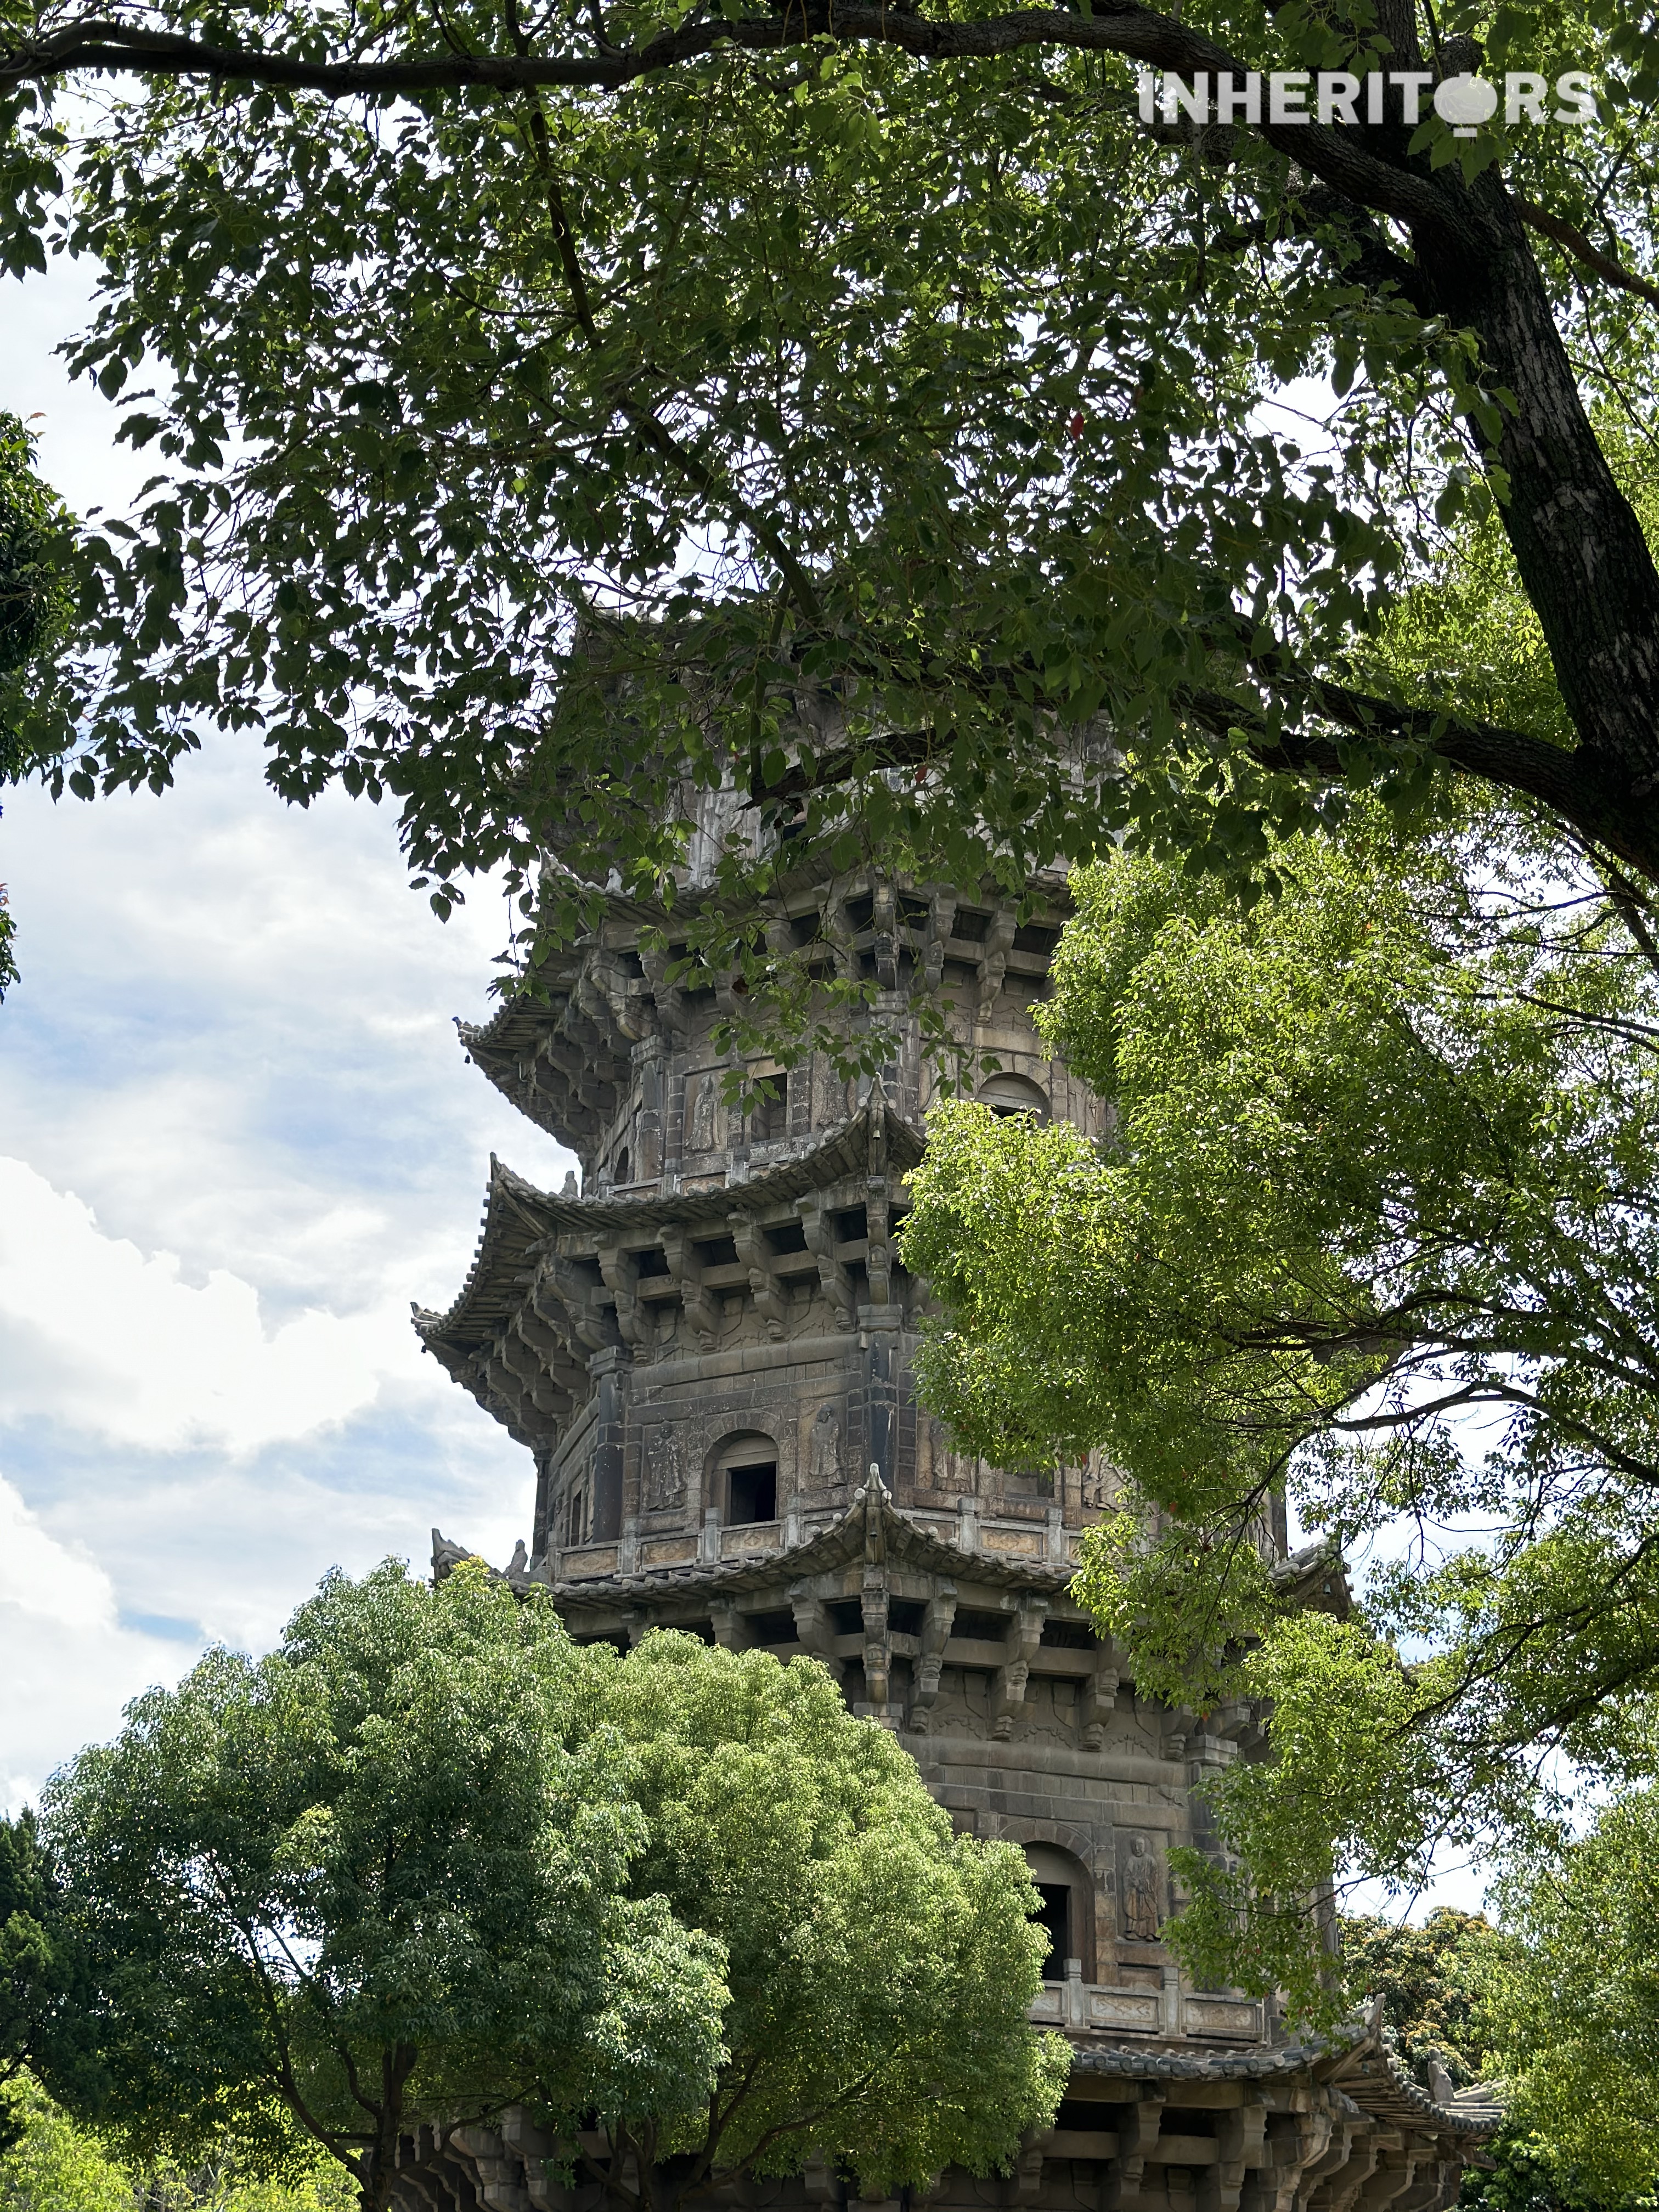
(36, 606)
(1577, 2003)
(377, 1876)
(1374, 1226)
(45, 2028)
(430, 1859)
(58, 2166)
(1444, 1987)
(880, 1966)
(1433, 1981)
(553, 425)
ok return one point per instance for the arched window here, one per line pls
(625, 1168)
(1067, 1914)
(1014, 1094)
(742, 1480)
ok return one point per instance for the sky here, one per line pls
(238, 1136)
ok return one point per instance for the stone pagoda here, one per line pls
(707, 1349)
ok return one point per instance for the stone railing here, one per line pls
(1047, 1543)
(1080, 2007)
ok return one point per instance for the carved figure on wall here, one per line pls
(664, 1485)
(952, 1471)
(1137, 1882)
(824, 1459)
(703, 1113)
(1099, 1484)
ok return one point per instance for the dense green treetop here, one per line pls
(1374, 1223)
(60, 2166)
(1434, 1981)
(376, 1876)
(549, 408)
(1464, 1998)
(36, 606)
(880, 1968)
(430, 1860)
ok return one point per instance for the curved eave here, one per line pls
(519, 1220)
(1370, 2077)
(513, 1228)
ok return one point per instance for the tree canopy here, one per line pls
(1375, 1228)
(58, 2164)
(1574, 2003)
(880, 1968)
(430, 1860)
(377, 1876)
(1466, 1999)
(45, 2017)
(558, 413)
(1435, 1983)
(36, 606)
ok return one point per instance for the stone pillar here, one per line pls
(611, 1370)
(544, 1479)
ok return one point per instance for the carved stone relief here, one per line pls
(1139, 1905)
(664, 1484)
(952, 1472)
(824, 1452)
(705, 1113)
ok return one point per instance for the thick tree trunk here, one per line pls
(1578, 546)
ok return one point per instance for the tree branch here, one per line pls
(1344, 158)
(1573, 241)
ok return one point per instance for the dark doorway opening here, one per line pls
(1055, 1919)
(752, 1493)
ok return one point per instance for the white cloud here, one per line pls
(42, 1578)
(155, 1361)
(66, 1663)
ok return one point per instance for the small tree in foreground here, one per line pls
(880, 1968)
(377, 1876)
(1575, 2004)
(430, 1859)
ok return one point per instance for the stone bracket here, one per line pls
(820, 1233)
(771, 1302)
(1026, 1633)
(700, 1307)
(1137, 2134)
(815, 1630)
(935, 1635)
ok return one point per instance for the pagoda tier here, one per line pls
(710, 1351)
(1023, 1724)
(619, 1063)
(645, 1348)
